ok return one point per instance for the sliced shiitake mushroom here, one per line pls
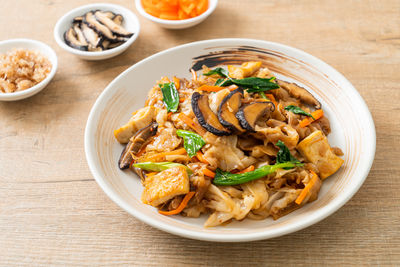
(92, 37)
(135, 144)
(299, 92)
(105, 44)
(92, 22)
(97, 31)
(109, 14)
(77, 19)
(206, 117)
(72, 40)
(228, 108)
(118, 19)
(79, 34)
(249, 114)
(114, 27)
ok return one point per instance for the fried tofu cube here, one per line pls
(249, 68)
(139, 120)
(165, 185)
(316, 149)
(245, 70)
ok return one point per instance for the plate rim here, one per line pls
(318, 216)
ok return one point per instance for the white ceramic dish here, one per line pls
(29, 44)
(130, 23)
(177, 24)
(352, 130)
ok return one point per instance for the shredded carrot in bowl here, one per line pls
(175, 9)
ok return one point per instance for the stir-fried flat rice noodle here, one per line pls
(228, 146)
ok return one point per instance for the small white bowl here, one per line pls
(130, 23)
(45, 50)
(177, 24)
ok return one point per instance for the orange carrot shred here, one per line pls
(208, 173)
(210, 88)
(307, 188)
(175, 9)
(179, 151)
(192, 124)
(307, 121)
(181, 206)
(141, 151)
(181, 100)
(169, 115)
(169, 16)
(272, 98)
(130, 164)
(177, 83)
(201, 158)
(248, 169)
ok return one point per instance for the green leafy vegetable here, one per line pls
(170, 96)
(159, 166)
(251, 84)
(227, 178)
(223, 82)
(192, 142)
(284, 154)
(297, 110)
(219, 71)
(284, 160)
(255, 84)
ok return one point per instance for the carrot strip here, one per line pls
(210, 88)
(181, 100)
(169, 115)
(179, 151)
(152, 11)
(248, 169)
(316, 114)
(202, 6)
(194, 74)
(182, 14)
(130, 164)
(177, 83)
(169, 16)
(208, 173)
(141, 151)
(192, 124)
(307, 188)
(201, 158)
(175, 9)
(181, 206)
(272, 98)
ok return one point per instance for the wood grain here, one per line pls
(53, 213)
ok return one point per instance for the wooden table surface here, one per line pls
(52, 212)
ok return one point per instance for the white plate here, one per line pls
(352, 130)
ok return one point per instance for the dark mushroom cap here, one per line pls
(206, 117)
(228, 108)
(249, 114)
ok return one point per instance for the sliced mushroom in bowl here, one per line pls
(97, 31)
